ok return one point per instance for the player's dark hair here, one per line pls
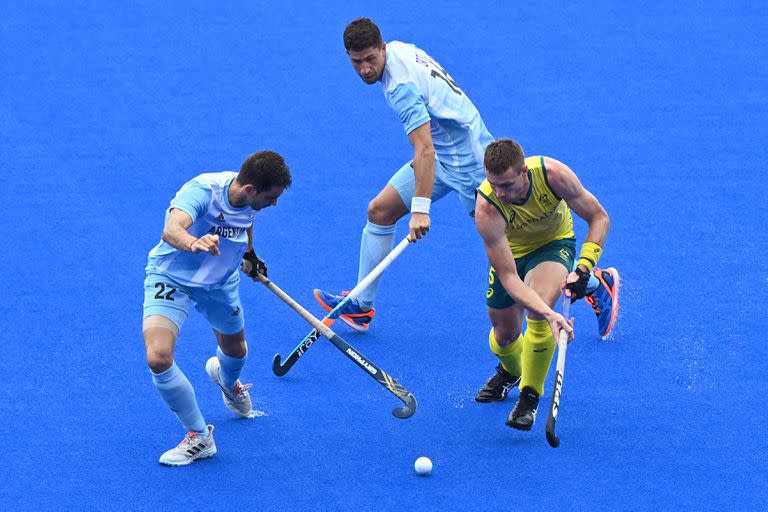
(264, 170)
(362, 34)
(502, 154)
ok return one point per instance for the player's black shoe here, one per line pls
(524, 413)
(497, 387)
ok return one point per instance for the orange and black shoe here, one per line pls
(354, 316)
(605, 299)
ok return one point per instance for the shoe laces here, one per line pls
(500, 379)
(529, 400)
(238, 391)
(190, 438)
(365, 315)
(592, 302)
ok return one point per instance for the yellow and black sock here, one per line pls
(510, 355)
(538, 348)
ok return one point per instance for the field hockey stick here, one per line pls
(359, 359)
(281, 369)
(562, 345)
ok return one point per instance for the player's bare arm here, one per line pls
(175, 233)
(424, 170)
(249, 231)
(567, 186)
(253, 266)
(492, 228)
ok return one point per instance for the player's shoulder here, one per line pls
(534, 162)
(205, 187)
(402, 64)
(553, 169)
(487, 200)
(558, 176)
(399, 49)
(213, 180)
(489, 216)
(402, 49)
(485, 188)
(539, 164)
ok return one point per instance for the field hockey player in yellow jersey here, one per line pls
(523, 213)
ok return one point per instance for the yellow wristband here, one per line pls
(590, 254)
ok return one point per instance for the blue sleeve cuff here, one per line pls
(408, 103)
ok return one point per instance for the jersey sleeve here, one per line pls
(193, 199)
(409, 104)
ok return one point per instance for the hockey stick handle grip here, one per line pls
(562, 339)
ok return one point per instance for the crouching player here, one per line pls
(208, 232)
(523, 215)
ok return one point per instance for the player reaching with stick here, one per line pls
(449, 139)
(208, 229)
(523, 213)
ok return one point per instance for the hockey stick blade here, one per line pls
(281, 369)
(380, 376)
(552, 438)
(407, 410)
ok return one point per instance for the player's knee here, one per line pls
(233, 345)
(159, 359)
(507, 325)
(159, 338)
(505, 332)
(238, 349)
(382, 214)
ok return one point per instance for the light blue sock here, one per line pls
(230, 367)
(180, 397)
(375, 245)
(593, 283)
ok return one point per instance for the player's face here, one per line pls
(512, 186)
(369, 63)
(260, 200)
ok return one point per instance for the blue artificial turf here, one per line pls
(107, 108)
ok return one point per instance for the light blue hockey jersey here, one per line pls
(204, 198)
(419, 90)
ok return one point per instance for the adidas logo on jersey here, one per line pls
(220, 217)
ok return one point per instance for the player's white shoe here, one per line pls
(237, 399)
(193, 447)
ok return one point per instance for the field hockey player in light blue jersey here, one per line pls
(208, 232)
(448, 136)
